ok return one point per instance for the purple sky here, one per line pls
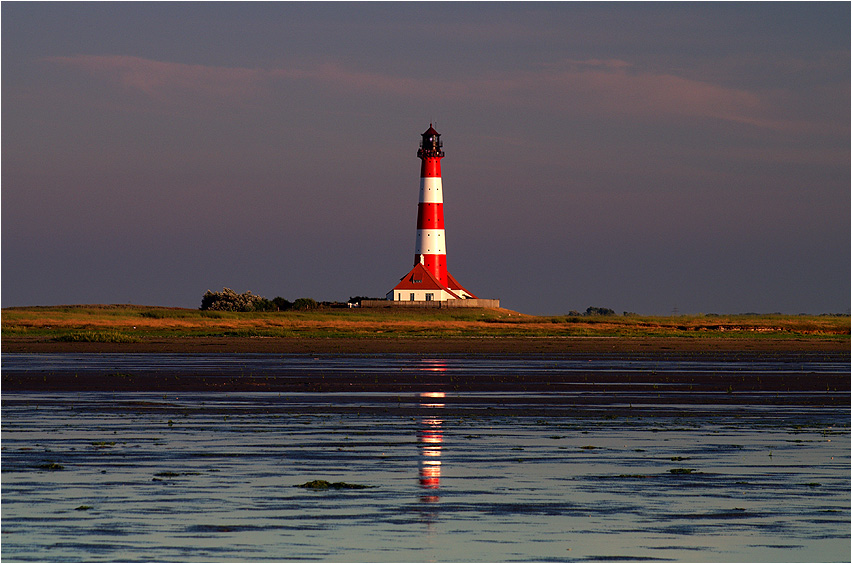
(641, 157)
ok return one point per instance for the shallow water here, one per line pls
(451, 364)
(473, 476)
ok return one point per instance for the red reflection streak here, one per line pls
(430, 438)
(430, 365)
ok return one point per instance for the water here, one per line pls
(452, 364)
(471, 475)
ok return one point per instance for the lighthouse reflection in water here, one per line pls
(430, 438)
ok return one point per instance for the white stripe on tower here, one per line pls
(430, 190)
(431, 242)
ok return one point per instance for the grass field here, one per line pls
(132, 323)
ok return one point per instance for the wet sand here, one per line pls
(433, 345)
(832, 389)
(786, 356)
(594, 454)
(209, 477)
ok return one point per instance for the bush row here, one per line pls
(229, 300)
(595, 311)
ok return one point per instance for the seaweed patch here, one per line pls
(325, 485)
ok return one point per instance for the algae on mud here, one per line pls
(326, 485)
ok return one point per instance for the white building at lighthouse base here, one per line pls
(420, 285)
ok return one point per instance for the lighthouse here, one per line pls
(429, 280)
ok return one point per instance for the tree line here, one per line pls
(595, 311)
(229, 300)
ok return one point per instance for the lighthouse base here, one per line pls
(420, 285)
(477, 302)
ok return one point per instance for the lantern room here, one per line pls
(430, 144)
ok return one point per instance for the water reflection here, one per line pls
(430, 439)
(208, 477)
(432, 365)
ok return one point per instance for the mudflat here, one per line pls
(525, 355)
(155, 330)
(430, 345)
(571, 408)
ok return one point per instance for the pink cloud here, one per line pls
(614, 64)
(159, 79)
(589, 87)
(592, 87)
(344, 79)
(613, 87)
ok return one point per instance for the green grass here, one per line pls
(131, 323)
(97, 337)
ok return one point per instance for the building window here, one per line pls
(412, 296)
(429, 297)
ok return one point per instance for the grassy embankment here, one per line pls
(130, 323)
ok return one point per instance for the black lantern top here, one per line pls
(430, 145)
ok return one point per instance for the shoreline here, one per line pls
(431, 345)
(832, 387)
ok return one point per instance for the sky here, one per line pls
(648, 158)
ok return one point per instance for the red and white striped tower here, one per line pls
(429, 279)
(431, 248)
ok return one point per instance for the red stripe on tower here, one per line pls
(430, 249)
(430, 216)
(430, 165)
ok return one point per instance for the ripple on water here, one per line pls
(544, 476)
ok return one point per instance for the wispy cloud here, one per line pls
(615, 87)
(592, 87)
(604, 87)
(159, 79)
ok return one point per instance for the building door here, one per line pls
(411, 296)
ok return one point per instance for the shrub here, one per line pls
(599, 311)
(229, 300)
(303, 304)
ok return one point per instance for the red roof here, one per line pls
(454, 285)
(430, 131)
(421, 279)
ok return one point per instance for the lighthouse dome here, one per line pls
(431, 144)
